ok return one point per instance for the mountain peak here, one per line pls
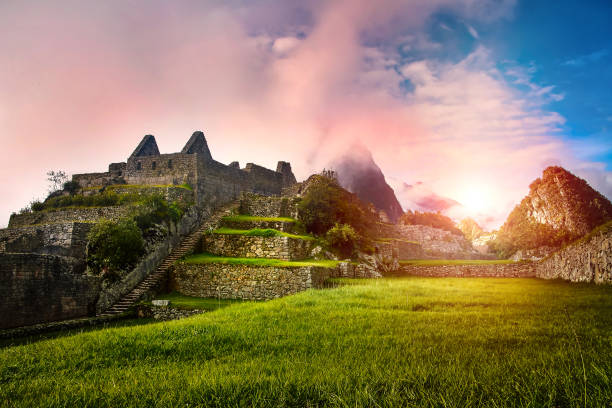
(358, 173)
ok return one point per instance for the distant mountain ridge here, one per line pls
(358, 173)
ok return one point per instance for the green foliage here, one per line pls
(326, 204)
(205, 258)
(155, 209)
(71, 187)
(431, 219)
(114, 246)
(105, 198)
(413, 342)
(343, 240)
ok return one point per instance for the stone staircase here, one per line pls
(161, 272)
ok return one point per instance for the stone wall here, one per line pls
(68, 214)
(244, 282)
(256, 205)
(516, 270)
(589, 260)
(175, 168)
(42, 288)
(245, 225)
(65, 239)
(256, 247)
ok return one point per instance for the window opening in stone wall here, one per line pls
(153, 165)
(170, 163)
(139, 166)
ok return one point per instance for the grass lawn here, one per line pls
(208, 258)
(251, 218)
(441, 262)
(261, 232)
(412, 342)
(179, 301)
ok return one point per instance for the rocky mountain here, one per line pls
(559, 208)
(358, 173)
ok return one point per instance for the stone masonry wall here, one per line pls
(244, 282)
(260, 206)
(175, 168)
(256, 247)
(65, 239)
(67, 215)
(42, 288)
(588, 261)
(517, 270)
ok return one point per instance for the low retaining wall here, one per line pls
(584, 261)
(518, 270)
(67, 215)
(265, 206)
(244, 282)
(42, 288)
(256, 247)
(244, 225)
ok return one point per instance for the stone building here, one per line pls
(214, 183)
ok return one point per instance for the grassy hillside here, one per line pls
(405, 342)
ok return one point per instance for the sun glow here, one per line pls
(476, 198)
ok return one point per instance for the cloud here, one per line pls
(472, 31)
(586, 59)
(299, 81)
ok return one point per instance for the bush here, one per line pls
(114, 246)
(325, 204)
(343, 240)
(71, 187)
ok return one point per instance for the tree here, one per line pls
(56, 180)
(114, 246)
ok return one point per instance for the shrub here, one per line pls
(343, 240)
(114, 246)
(36, 205)
(155, 209)
(325, 203)
(71, 187)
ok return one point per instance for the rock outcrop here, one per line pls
(559, 208)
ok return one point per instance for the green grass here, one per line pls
(413, 342)
(209, 258)
(441, 262)
(180, 301)
(261, 232)
(251, 218)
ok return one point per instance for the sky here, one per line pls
(467, 99)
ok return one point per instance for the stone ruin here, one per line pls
(42, 254)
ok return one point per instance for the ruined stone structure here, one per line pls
(42, 254)
(213, 183)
